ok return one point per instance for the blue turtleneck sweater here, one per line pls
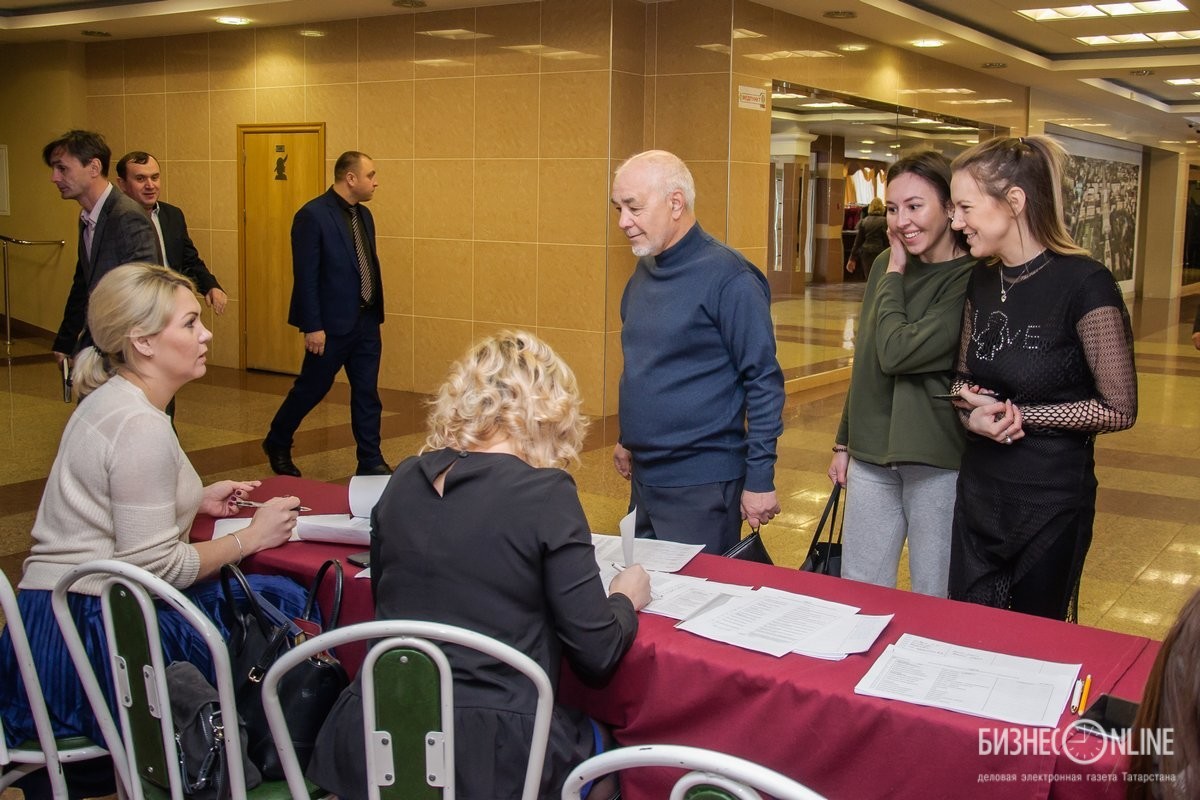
(701, 392)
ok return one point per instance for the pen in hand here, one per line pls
(255, 504)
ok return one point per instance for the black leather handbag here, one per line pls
(752, 548)
(307, 692)
(200, 736)
(826, 557)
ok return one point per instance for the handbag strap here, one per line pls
(311, 601)
(231, 572)
(830, 505)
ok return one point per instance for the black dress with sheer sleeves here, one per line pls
(1056, 340)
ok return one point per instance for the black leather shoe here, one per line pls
(281, 460)
(381, 468)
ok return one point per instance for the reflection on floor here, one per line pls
(1144, 563)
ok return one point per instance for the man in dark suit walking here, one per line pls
(337, 303)
(139, 176)
(113, 230)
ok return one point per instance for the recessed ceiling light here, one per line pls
(828, 104)
(867, 152)
(457, 34)
(868, 141)
(746, 33)
(978, 101)
(1183, 81)
(1175, 36)
(1141, 73)
(312, 34)
(840, 15)
(852, 48)
(1102, 10)
(1120, 38)
(233, 20)
(893, 147)
(408, 3)
(96, 34)
(993, 65)
(928, 43)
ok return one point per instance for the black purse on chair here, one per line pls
(257, 637)
(826, 557)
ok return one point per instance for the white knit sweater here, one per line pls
(121, 487)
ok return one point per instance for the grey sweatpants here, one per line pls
(886, 504)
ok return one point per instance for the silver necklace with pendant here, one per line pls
(1026, 272)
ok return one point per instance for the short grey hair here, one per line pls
(668, 173)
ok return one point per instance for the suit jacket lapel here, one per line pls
(98, 233)
(343, 227)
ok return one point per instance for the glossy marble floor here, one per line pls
(1144, 563)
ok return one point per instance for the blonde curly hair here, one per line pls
(512, 384)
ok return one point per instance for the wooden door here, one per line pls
(282, 168)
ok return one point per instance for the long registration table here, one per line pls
(800, 715)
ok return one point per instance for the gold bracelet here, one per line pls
(241, 551)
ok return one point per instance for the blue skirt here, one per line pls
(70, 713)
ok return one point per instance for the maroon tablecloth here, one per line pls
(800, 715)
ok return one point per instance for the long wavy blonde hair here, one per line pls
(512, 384)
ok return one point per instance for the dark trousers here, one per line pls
(358, 352)
(709, 514)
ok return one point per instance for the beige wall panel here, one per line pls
(225, 348)
(392, 205)
(712, 195)
(227, 110)
(506, 280)
(442, 278)
(505, 199)
(693, 26)
(223, 180)
(385, 48)
(506, 113)
(396, 257)
(570, 286)
(231, 56)
(444, 118)
(749, 185)
(187, 63)
(385, 119)
(442, 199)
(574, 114)
(191, 191)
(614, 362)
(332, 58)
(692, 116)
(279, 105)
(337, 106)
(507, 26)
(625, 119)
(437, 56)
(106, 116)
(188, 128)
(278, 57)
(146, 122)
(629, 36)
(105, 73)
(584, 352)
(581, 26)
(145, 66)
(621, 263)
(750, 128)
(221, 258)
(436, 344)
(758, 19)
(396, 363)
(572, 200)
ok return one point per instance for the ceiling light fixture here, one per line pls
(993, 65)
(1141, 73)
(408, 3)
(928, 43)
(455, 34)
(233, 20)
(1102, 10)
(1183, 81)
(312, 34)
(852, 48)
(840, 15)
(96, 34)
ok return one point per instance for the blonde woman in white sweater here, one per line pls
(121, 487)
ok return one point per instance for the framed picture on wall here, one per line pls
(1100, 202)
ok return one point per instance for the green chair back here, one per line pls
(408, 705)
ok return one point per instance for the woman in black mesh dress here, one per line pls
(1045, 364)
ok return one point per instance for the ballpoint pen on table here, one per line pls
(255, 504)
(1075, 695)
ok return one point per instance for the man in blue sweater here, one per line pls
(701, 402)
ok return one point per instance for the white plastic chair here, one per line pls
(144, 749)
(730, 776)
(406, 668)
(47, 752)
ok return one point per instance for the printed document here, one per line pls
(768, 622)
(977, 682)
(652, 554)
(336, 528)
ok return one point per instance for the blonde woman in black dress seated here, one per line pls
(1045, 364)
(484, 530)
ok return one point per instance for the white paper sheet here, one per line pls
(768, 622)
(627, 527)
(653, 554)
(1035, 695)
(983, 658)
(365, 491)
(681, 596)
(336, 528)
(843, 637)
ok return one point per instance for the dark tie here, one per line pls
(366, 280)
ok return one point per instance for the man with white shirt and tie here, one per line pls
(113, 229)
(140, 177)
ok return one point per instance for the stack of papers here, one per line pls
(927, 672)
(353, 528)
(765, 620)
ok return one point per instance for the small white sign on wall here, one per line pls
(752, 97)
(5, 208)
